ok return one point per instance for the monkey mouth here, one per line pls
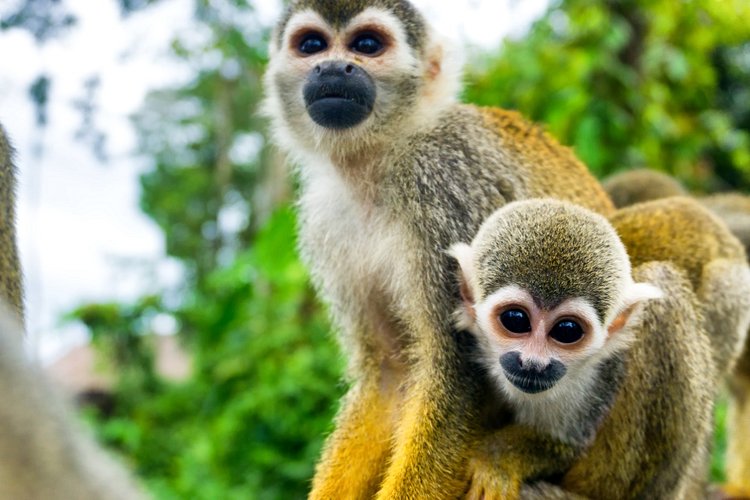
(338, 106)
(531, 378)
(530, 384)
(337, 92)
(338, 111)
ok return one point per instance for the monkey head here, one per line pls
(547, 290)
(345, 74)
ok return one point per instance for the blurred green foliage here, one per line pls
(635, 83)
(627, 83)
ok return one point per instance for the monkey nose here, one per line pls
(334, 69)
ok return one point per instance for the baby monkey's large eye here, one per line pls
(368, 44)
(567, 331)
(312, 43)
(515, 321)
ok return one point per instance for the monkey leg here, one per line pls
(436, 432)
(356, 453)
(507, 458)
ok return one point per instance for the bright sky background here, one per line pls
(78, 219)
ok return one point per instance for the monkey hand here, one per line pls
(492, 481)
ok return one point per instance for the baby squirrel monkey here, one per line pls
(547, 291)
(613, 392)
(635, 186)
(393, 170)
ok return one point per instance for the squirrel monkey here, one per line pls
(641, 185)
(551, 308)
(602, 380)
(393, 170)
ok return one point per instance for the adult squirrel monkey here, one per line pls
(393, 170)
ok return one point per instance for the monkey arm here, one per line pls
(356, 453)
(513, 455)
(436, 429)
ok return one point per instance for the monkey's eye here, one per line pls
(367, 44)
(312, 43)
(515, 321)
(567, 331)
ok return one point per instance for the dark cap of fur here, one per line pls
(338, 13)
(555, 250)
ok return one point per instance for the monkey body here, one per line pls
(641, 185)
(612, 390)
(43, 453)
(653, 443)
(407, 215)
(688, 343)
(393, 170)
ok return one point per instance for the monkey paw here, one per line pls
(491, 482)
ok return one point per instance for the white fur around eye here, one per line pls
(402, 55)
(307, 18)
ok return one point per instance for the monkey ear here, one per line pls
(443, 70)
(464, 255)
(635, 294)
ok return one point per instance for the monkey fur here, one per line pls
(11, 281)
(734, 210)
(634, 186)
(380, 201)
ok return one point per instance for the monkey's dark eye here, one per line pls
(367, 44)
(312, 44)
(515, 321)
(567, 331)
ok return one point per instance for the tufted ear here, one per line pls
(635, 294)
(464, 255)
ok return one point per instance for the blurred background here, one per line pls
(157, 231)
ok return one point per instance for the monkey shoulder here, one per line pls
(517, 155)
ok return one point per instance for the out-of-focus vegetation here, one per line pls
(627, 83)
(658, 84)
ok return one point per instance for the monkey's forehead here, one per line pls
(339, 13)
(550, 285)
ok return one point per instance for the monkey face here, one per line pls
(342, 82)
(529, 348)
